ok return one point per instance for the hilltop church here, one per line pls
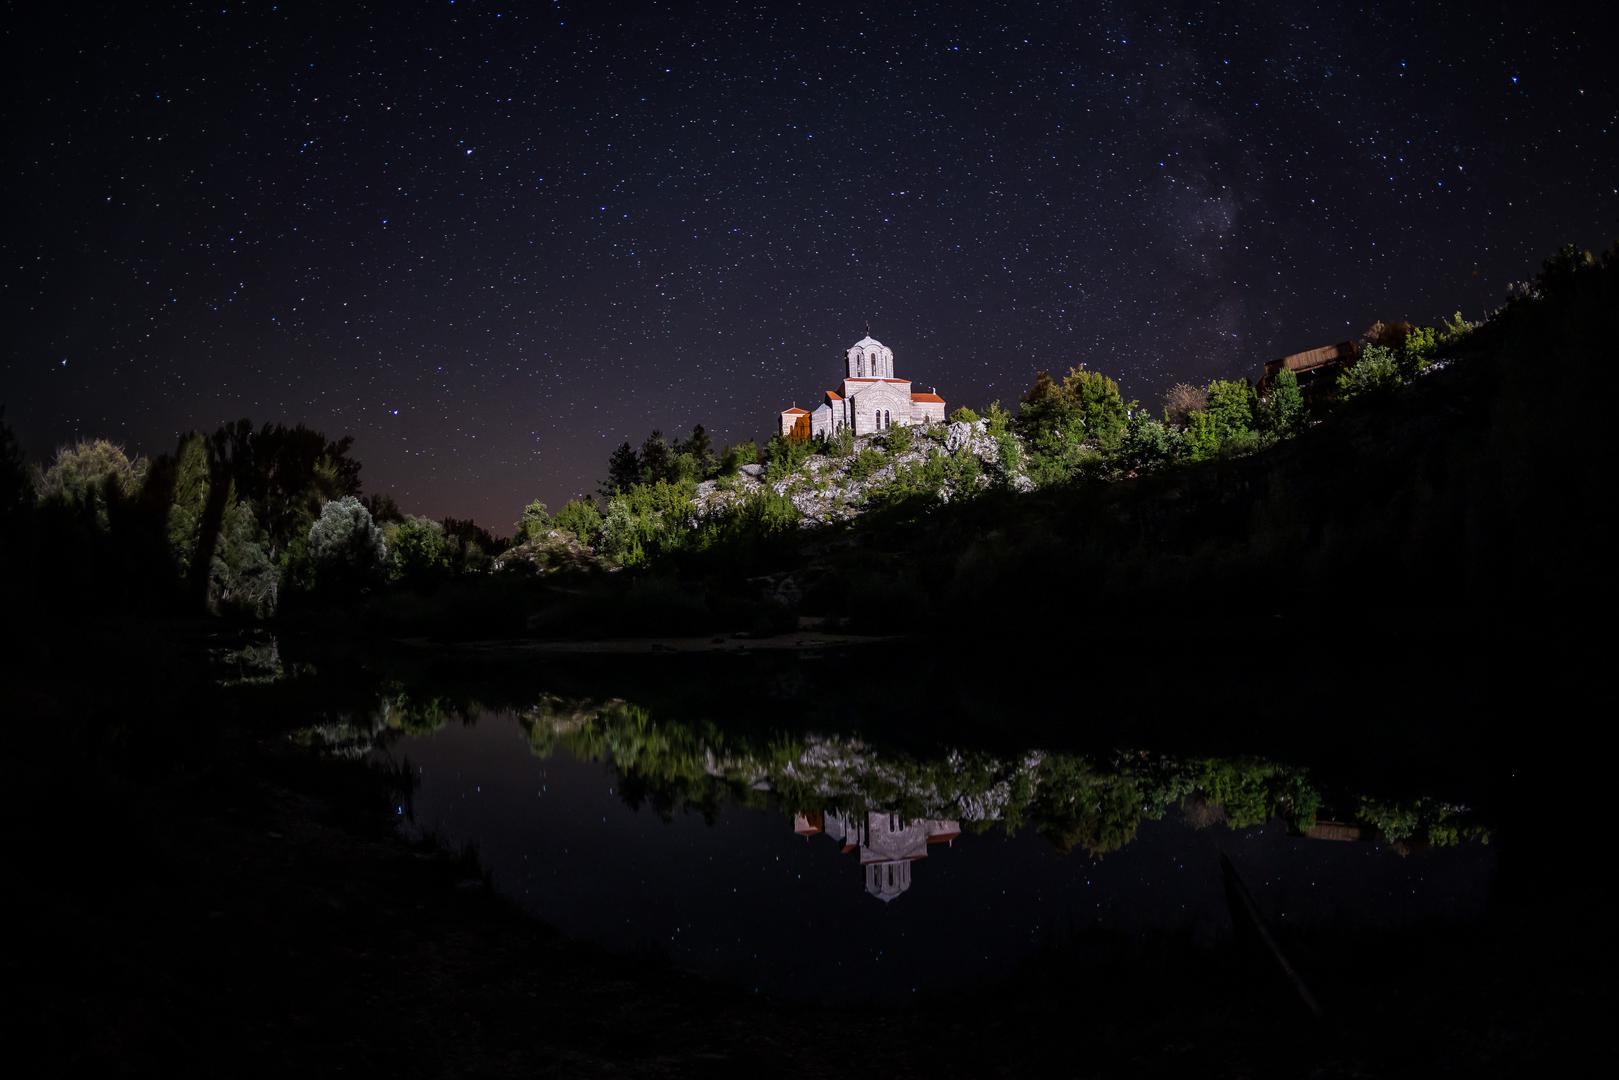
(871, 399)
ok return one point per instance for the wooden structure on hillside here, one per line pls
(1316, 369)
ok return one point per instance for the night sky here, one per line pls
(490, 241)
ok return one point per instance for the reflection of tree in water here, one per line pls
(1082, 801)
(1095, 803)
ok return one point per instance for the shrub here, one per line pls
(1455, 329)
(897, 440)
(1417, 351)
(580, 517)
(1376, 372)
(866, 463)
(963, 415)
(840, 444)
(742, 453)
(783, 456)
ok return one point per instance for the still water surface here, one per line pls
(819, 868)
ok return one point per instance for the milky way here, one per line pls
(492, 241)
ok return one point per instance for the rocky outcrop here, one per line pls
(834, 487)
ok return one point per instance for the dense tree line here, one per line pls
(243, 522)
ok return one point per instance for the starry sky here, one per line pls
(492, 240)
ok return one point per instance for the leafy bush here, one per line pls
(646, 521)
(1417, 351)
(580, 517)
(897, 440)
(783, 456)
(963, 415)
(866, 463)
(1376, 372)
(840, 444)
(1455, 329)
(742, 453)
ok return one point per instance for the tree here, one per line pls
(623, 471)
(963, 415)
(1100, 405)
(1148, 443)
(90, 477)
(287, 474)
(1183, 399)
(346, 550)
(738, 455)
(1281, 413)
(533, 524)
(417, 556)
(242, 579)
(1231, 408)
(468, 546)
(657, 462)
(1201, 439)
(383, 508)
(701, 450)
(192, 479)
(16, 493)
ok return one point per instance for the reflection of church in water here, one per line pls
(888, 843)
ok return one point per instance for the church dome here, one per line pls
(870, 358)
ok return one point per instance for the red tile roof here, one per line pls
(927, 397)
(795, 409)
(834, 395)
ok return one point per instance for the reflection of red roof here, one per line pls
(795, 409)
(943, 837)
(853, 379)
(834, 395)
(927, 397)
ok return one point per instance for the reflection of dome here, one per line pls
(886, 880)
